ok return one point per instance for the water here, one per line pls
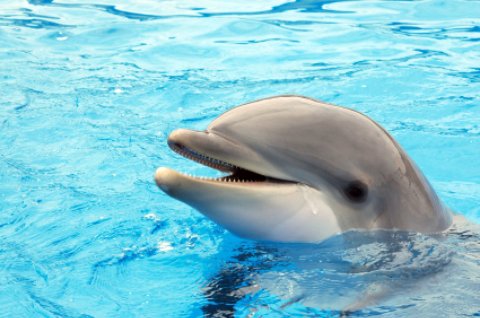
(90, 90)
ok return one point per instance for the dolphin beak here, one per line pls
(249, 201)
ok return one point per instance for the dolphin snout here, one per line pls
(165, 178)
(177, 137)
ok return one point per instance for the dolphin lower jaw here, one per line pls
(289, 212)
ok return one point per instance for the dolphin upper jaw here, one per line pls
(229, 152)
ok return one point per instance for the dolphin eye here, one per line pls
(356, 191)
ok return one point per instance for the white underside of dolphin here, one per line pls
(302, 171)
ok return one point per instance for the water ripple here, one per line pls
(91, 90)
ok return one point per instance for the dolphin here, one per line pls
(301, 171)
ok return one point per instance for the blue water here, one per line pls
(89, 90)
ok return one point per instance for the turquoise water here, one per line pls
(89, 90)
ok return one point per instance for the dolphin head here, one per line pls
(302, 171)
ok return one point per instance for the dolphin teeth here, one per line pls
(201, 158)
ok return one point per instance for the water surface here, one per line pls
(90, 90)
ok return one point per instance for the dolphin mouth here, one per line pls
(235, 174)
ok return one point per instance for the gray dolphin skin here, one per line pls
(300, 170)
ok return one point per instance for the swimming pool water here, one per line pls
(89, 90)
